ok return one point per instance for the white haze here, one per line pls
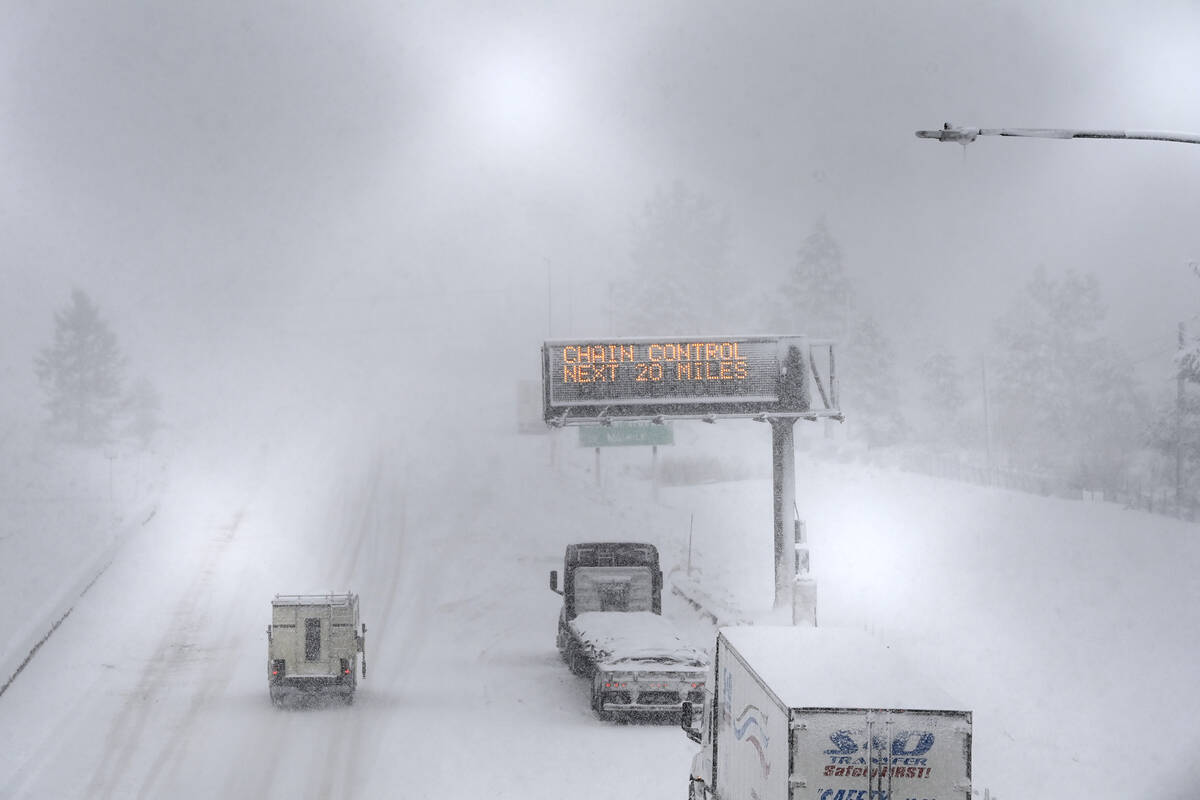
(311, 186)
(290, 212)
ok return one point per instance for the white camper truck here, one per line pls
(801, 713)
(313, 644)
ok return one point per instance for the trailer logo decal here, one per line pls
(845, 745)
(748, 717)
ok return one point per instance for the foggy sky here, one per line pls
(252, 183)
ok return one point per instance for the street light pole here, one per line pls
(965, 135)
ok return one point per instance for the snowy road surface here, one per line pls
(1031, 610)
(155, 686)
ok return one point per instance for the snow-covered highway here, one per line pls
(155, 685)
(1030, 610)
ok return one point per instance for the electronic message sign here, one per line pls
(594, 380)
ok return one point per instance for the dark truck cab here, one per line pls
(610, 629)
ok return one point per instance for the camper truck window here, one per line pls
(312, 639)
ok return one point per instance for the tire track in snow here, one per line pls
(327, 764)
(214, 680)
(386, 529)
(401, 573)
(331, 750)
(367, 522)
(268, 752)
(260, 772)
(343, 760)
(127, 731)
(44, 752)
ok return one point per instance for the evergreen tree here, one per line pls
(81, 374)
(1174, 426)
(1063, 397)
(681, 256)
(869, 389)
(1187, 361)
(816, 297)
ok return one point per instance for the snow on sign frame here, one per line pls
(590, 381)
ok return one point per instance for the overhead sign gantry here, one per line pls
(589, 381)
(775, 379)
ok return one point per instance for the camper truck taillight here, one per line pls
(278, 669)
(345, 666)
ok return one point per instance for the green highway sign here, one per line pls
(625, 434)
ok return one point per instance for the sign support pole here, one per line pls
(654, 471)
(783, 479)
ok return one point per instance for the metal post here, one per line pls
(804, 590)
(987, 425)
(611, 291)
(691, 527)
(783, 478)
(1179, 434)
(111, 454)
(654, 471)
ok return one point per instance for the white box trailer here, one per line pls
(797, 713)
(313, 644)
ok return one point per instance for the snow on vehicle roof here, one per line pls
(314, 599)
(619, 636)
(835, 668)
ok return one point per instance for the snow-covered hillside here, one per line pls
(1065, 626)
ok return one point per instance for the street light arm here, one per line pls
(951, 133)
(964, 136)
(1057, 133)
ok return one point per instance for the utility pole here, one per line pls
(611, 291)
(783, 478)
(987, 423)
(1179, 433)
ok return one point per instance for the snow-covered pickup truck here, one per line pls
(610, 630)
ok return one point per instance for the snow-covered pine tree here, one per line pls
(681, 255)
(1062, 395)
(869, 388)
(816, 297)
(81, 374)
